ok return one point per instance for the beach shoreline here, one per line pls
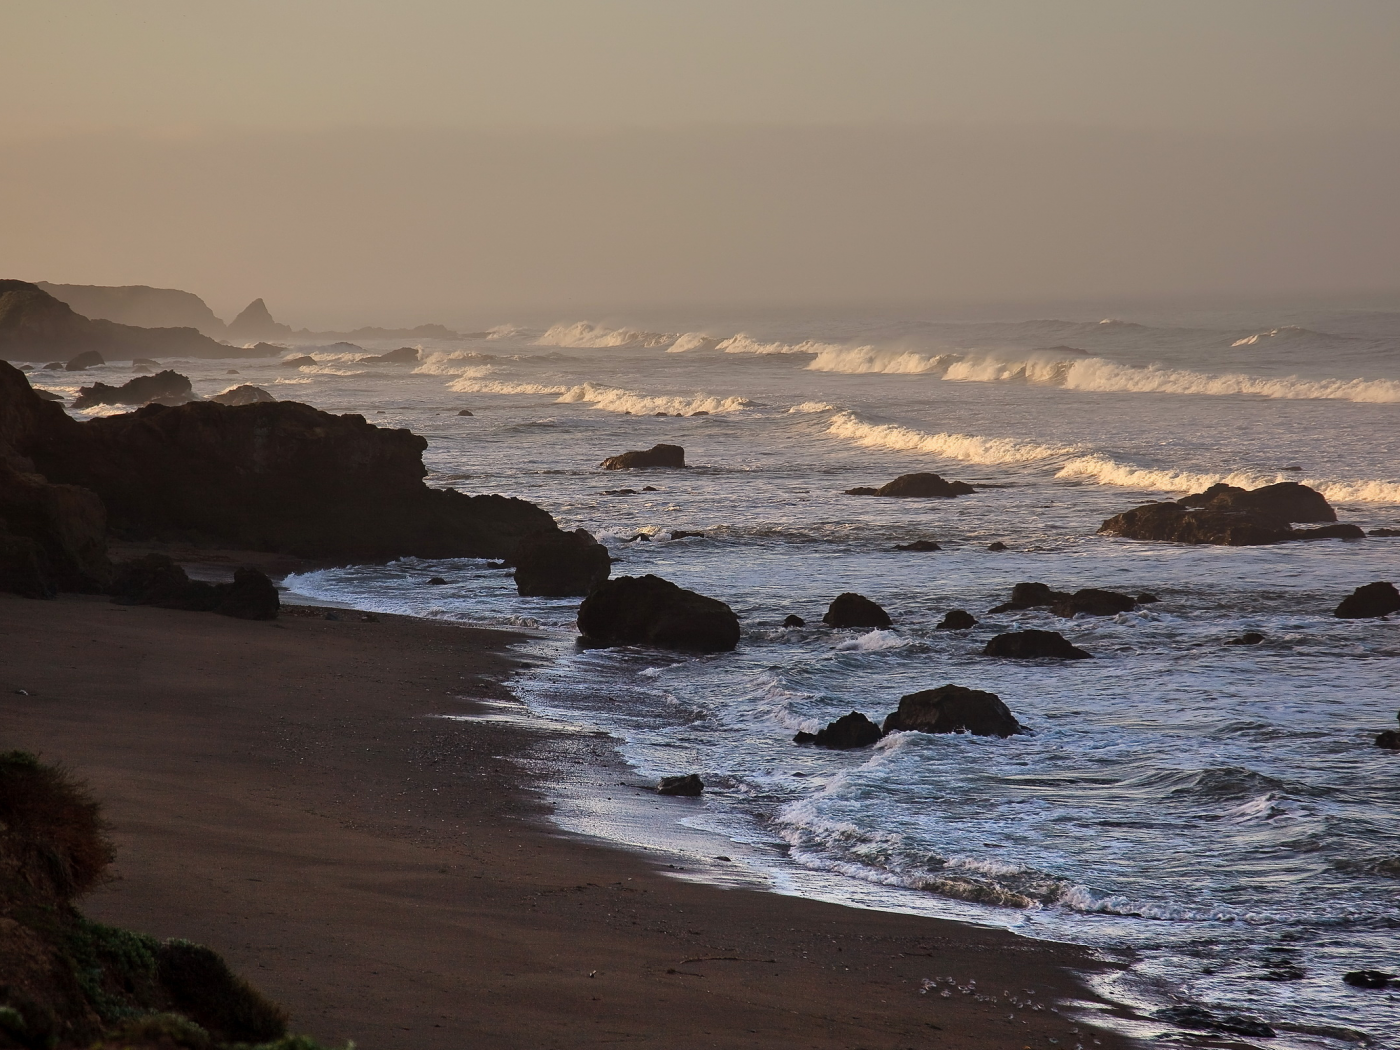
(284, 793)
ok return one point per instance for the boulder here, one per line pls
(302, 361)
(139, 363)
(1388, 739)
(956, 620)
(52, 537)
(1147, 598)
(1286, 501)
(855, 610)
(242, 395)
(996, 545)
(436, 581)
(158, 581)
(1031, 596)
(464, 412)
(87, 359)
(847, 732)
(1384, 532)
(1233, 517)
(1248, 638)
(916, 486)
(918, 545)
(793, 620)
(658, 456)
(1374, 599)
(1368, 978)
(1203, 1020)
(953, 709)
(1034, 645)
(689, 785)
(251, 596)
(1093, 602)
(647, 610)
(404, 355)
(169, 387)
(560, 564)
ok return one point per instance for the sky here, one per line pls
(356, 162)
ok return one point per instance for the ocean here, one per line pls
(1219, 812)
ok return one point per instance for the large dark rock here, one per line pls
(1374, 599)
(251, 596)
(1233, 517)
(667, 456)
(688, 786)
(169, 387)
(923, 546)
(1031, 596)
(404, 355)
(855, 610)
(242, 395)
(52, 537)
(1093, 602)
(647, 610)
(87, 359)
(560, 564)
(917, 486)
(953, 709)
(1034, 645)
(847, 732)
(957, 620)
(158, 581)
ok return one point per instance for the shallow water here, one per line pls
(1219, 809)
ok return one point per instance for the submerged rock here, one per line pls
(1031, 596)
(1230, 516)
(167, 386)
(404, 355)
(87, 359)
(464, 411)
(1093, 602)
(689, 785)
(953, 709)
(658, 456)
(956, 620)
(918, 545)
(1372, 600)
(242, 395)
(1384, 532)
(1248, 638)
(855, 610)
(1368, 978)
(793, 620)
(560, 564)
(847, 732)
(1034, 645)
(647, 610)
(1203, 1020)
(916, 486)
(996, 545)
(1388, 739)
(436, 581)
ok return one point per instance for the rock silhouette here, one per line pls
(855, 610)
(1372, 600)
(953, 709)
(560, 564)
(1034, 645)
(916, 486)
(647, 610)
(847, 732)
(658, 456)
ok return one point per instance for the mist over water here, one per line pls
(1219, 809)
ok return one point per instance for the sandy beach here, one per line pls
(281, 792)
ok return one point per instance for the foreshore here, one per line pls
(283, 793)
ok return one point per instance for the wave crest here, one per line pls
(585, 335)
(611, 399)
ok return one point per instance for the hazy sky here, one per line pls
(356, 161)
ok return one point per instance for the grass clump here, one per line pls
(53, 826)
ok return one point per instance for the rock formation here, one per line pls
(847, 732)
(1093, 602)
(1374, 599)
(404, 355)
(1234, 517)
(953, 709)
(241, 395)
(688, 786)
(658, 456)
(560, 564)
(647, 610)
(256, 323)
(1034, 645)
(139, 305)
(917, 486)
(956, 620)
(156, 580)
(918, 545)
(855, 610)
(168, 387)
(87, 359)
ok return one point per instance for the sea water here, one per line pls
(1218, 809)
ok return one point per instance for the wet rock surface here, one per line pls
(647, 610)
(916, 486)
(656, 457)
(855, 610)
(1034, 645)
(847, 732)
(953, 709)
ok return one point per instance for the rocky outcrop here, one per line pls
(168, 387)
(956, 620)
(560, 564)
(917, 486)
(1248, 638)
(1091, 601)
(241, 395)
(1374, 599)
(139, 305)
(658, 456)
(1034, 645)
(847, 732)
(404, 355)
(34, 326)
(256, 323)
(953, 709)
(855, 610)
(688, 786)
(1234, 517)
(157, 581)
(793, 620)
(301, 361)
(922, 546)
(52, 537)
(647, 610)
(87, 359)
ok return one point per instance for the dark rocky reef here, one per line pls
(956, 620)
(1234, 517)
(1374, 599)
(560, 564)
(847, 732)
(241, 395)
(953, 709)
(855, 610)
(688, 786)
(658, 456)
(922, 546)
(1090, 601)
(647, 610)
(168, 387)
(917, 486)
(1034, 645)
(793, 620)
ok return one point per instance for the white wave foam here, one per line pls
(743, 343)
(874, 641)
(969, 448)
(611, 399)
(862, 360)
(693, 341)
(474, 385)
(811, 407)
(583, 335)
(458, 362)
(504, 331)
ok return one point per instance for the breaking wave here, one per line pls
(693, 341)
(966, 447)
(611, 399)
(474, 385)
(583, 335)
(457, 362)
(743, 343)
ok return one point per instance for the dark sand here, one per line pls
(277, 792)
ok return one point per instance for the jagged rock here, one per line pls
(1031, 596)
(916, 486)
(255, 322)
(1034, 645)
(647, 610)
(169, 387)
(1248, 638)
(242, 395)
(953, 709)
(689, 785)
(49, 395)
(404, 355)
(1234, 517)
(87, 359)
(855, 610)
(658, 456)
(1286, 501)
(303, 361)
(996, 545)
(1384, 532)
(1147, 598)
(1388, 739)
(847, 732)
(793, 620)
(1374, 599)
(956, 620)
(1340, 531)
(157, 581)
(1093, 602)
(918, 545)
(560, 564)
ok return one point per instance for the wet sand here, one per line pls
(283, 793)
